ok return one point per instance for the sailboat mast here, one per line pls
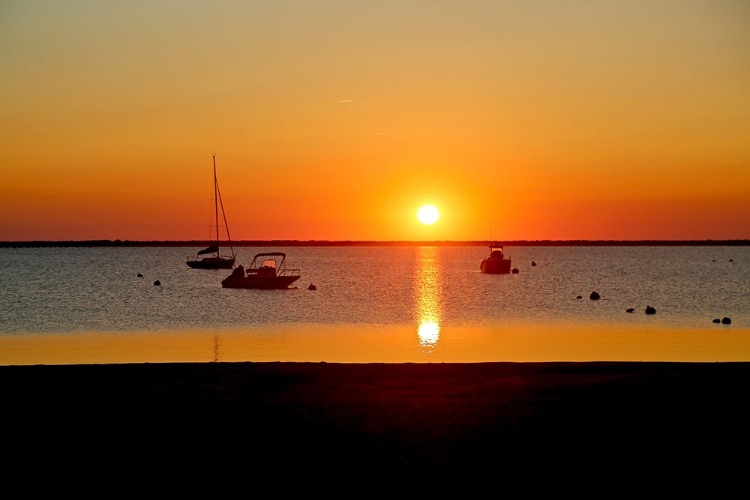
(226, 224)
(216, 207)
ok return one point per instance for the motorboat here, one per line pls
(496, 262)
(267, 271)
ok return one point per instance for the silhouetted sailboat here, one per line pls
(215, 260)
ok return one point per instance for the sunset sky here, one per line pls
(339, 119)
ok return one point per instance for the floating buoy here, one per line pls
(594, 296)
(312, 287)
(650, 310)
(157, 283)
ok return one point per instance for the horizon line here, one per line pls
(293, 242)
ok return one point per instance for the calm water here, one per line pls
(376, 304)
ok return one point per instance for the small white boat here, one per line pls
(497, 262)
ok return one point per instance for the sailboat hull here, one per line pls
(212, 263)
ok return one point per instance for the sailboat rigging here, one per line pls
(215, 260)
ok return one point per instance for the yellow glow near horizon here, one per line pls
(428, 214)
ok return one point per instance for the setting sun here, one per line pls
(428, 214)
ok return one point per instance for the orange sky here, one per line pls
(337, 120)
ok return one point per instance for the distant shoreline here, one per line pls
(347, 243)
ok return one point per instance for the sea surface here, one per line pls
(84, 305)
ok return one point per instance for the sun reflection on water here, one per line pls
(427, 298)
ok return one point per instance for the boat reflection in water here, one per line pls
(428, 299)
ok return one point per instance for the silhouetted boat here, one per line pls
(216, 260)
(267, 271)
(496, 263)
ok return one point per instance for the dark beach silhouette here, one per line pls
(382, 425)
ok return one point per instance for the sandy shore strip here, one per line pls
(331, 424)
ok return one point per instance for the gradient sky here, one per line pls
(338, 119)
